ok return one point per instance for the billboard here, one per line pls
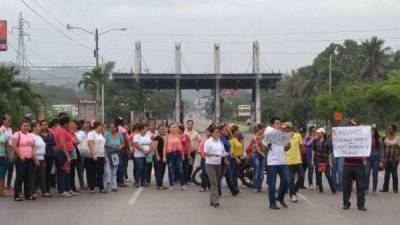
(3, 35)
(244, 110)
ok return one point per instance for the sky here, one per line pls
(290, 32)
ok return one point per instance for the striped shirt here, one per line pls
(392, 149)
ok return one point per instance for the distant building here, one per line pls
(87, 110)
(70, 109)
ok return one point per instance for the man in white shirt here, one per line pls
(276, 165)
(195, 138)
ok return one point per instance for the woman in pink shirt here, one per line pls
(173, 156)
(186, 143)
(204, 178)
(23, 143)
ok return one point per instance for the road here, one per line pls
(149, 206)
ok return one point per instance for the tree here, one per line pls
(16, 97)
(373, 58)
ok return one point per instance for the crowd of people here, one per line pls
(65, 153)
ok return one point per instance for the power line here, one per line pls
(53, 26)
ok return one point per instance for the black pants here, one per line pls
(391, 169)
(159, 168)
(10, 172)
(24, 176)
(318, 175)
(40, 177)
(226, 172)
(50, 179)
(149, 169)
(122, 167)
(357, 174)
(95, 172)
(294, 186)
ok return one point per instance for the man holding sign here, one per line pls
(354, 144)
(276, 138)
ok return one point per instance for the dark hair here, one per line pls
(53, 122)
(62, 114)
(310, 129)
(113, 123)
(181, 127)
(24, 121)
(190, 121)
(64, 120)
(222, 126)
(234, 128)
(394, 127)
(212, 128)
(119, 120)
(134, 127)
(140, 126)
(376, 135)
(161, 126)
(42, 121)
(258, 127)
(273, 119)
(34, 124)
(4, 117)
(95, 124)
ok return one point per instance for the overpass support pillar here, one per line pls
(178, 98)
(256, 90)
(217, 71)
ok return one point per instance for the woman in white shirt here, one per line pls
(40, 164)
(214, 151)
(141, 144)
(95, 164)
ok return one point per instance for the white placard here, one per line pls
(276, 137)
(351, 141)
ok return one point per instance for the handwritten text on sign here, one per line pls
(276, 137)
(351, 141)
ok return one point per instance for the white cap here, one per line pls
(321, 130)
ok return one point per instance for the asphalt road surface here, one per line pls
(149, 206)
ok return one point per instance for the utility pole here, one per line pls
(21, 55)
(330, 74)
(96, 55)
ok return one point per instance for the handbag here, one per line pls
(114, 159)
(84, 150)
(11, 154)
(322, 167)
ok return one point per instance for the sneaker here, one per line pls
(92, 191)
(103, 191)
(294, 198)
(183, 188)
(346, 207)
(114, 190)
(73, 193)
(362, 208)
(65, 194)
(274, 206)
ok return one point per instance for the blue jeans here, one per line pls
(62, 177)
(204, 177)
(140, 164)
(372, 166)
(234, 169)
(159, 169)
(258, 163)
(174, 162)
(337, 173)
(272, 172)
(225, 172)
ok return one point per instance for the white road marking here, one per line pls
(135, 196)
(307, 200)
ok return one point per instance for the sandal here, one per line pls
(18, 199)
(32, 198)
(47, 195)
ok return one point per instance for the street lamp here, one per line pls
(96, 35)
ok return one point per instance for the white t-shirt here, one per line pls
(81, 135)
(144, 143)
(215, 147)
(276, 156)
(99, 143)
(40, 147)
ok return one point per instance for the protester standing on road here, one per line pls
(354, 170)
(186, 145)
(40, 163)
(214, 151)
(152, 133)
(321, 160)
(276, 165)
(204, 178)
(159, 164)
(141, 143)
(73, 129)
(63, 149)
(122, 172)
(6, 129)
(236, 156)
(391, 158)
(374, 161)
(295, 165)
(308, 141)
(114, 144)
(257, 158)
(195, 140)
(23, 144)
(3, 161)
(95, 164)
(173, 156)
(48, 138)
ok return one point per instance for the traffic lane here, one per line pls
(86, 209)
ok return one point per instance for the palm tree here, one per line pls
(16, 95)
(373, 57)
